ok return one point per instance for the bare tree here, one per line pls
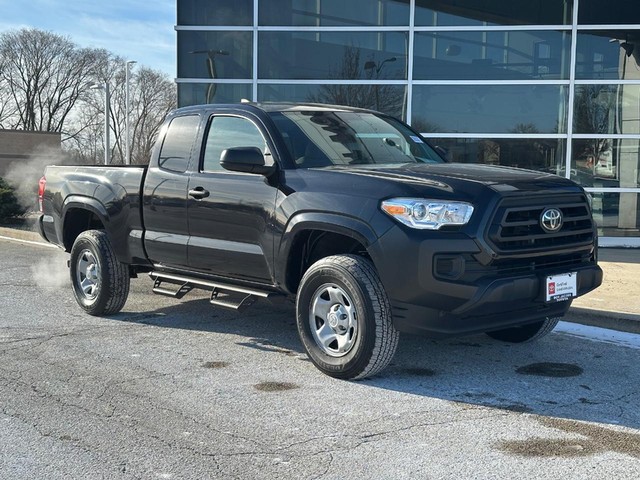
(152, 96)
(42, 78)
(385, 98)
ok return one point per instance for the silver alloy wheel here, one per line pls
(333, 320)
(88, 274)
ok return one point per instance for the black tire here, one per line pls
(525, 333)
(100, 282)
(367, 333)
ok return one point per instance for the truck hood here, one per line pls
(448, 176)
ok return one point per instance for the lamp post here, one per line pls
(373, 66)
(211, 67)
(127, 148)
(105, 87)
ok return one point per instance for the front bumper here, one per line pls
(480, 299)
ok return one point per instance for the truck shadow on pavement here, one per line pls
(561, 375)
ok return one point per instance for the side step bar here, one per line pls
(222, 294)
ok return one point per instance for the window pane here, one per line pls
(229, 132)
(490, 109)
(607, 109)
(388, 99)
(199, 93)
(617, 214)
(177, 144)
(332, 55)
(491, 55)
(333, 12)
(493, 12)
(606, 162)
(596, 12)
(545, 155)
(214, 54)
(215, 12)
(609, 54)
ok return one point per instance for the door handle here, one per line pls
(199, 193)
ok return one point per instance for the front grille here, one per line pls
(516, 228)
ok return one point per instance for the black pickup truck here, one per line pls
(348, 210)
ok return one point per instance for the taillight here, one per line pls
(41, 186)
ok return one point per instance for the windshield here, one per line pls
(325, 138)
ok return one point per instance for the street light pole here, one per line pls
(127, 149)
(107, 99)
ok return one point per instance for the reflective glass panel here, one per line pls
(490, 108)
(229, 132)
(606, 162)
(199, 93)
(178, 142)
(215, 12)
(333, 12)
(611, 12)
(493, 12)
(214, 54)
(617, 214)
(545, 155)
(325, 138)
(607, 109)
(609, 54)
(388, 99)
(491, 55)
(332, 55)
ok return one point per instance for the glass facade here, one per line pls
(549, 85)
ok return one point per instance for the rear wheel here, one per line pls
(100, 282)
(525, 333)
(344, 318)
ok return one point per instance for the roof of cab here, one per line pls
(274, 107)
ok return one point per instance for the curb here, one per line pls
(619, 321)
(27, 235)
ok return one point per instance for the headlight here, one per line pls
(427, 214)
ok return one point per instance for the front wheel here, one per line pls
(525, 333)
(100, 282)
(344, 318)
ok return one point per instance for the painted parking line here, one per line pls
(30, 242)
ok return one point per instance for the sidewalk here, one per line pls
(615, 305)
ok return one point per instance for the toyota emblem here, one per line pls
(551, 220)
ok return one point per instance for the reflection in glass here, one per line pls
(333, 12)
(597, 12)
(176, 146)
(606, 162)
(490, 108)
(215, 12)
(389, 99)
(325, 138)
(199, 93)
(607, 109)
(491, 55)
(229, 132)
(609, 54)
(214, 54)
(332, 55)
(545, 155)
(473, 12)
(617, 214)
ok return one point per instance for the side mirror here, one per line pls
(246, 160)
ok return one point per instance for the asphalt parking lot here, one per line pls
(171, 389)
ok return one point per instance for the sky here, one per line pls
(140, 30)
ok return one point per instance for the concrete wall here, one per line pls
(21, 146)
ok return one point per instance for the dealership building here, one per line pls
(549, 85)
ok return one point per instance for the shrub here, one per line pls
(9, 205)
